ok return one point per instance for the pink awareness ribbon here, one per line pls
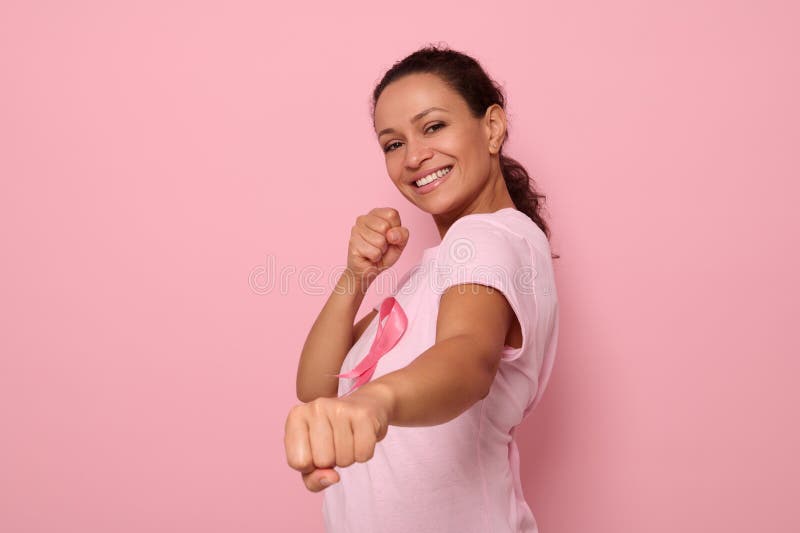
(384, 341)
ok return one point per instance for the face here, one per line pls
(424, 126)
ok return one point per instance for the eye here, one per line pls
(437, 124)
(388, 147)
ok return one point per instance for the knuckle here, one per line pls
(340, 409)
(317, 405)
(364, 455)
(296, 464)
(344, 460)
(362, 413)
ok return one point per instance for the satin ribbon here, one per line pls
(385, 340)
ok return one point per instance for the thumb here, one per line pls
(398, 236)
(313, 479)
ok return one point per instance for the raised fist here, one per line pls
(330, 432)
(376, 241)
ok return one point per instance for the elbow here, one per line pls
(486, 385)
(481, 380)
(487, 373)
(299, 390)
(310, 396)
(305, 395)
(479, 365)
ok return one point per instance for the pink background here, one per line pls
(163, 162)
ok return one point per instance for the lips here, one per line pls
(422, 174)
(433, 185)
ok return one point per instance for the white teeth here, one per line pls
(432, 176)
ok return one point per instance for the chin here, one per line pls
(435, 208)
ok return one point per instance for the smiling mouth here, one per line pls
(438, 175)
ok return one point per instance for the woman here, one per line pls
(469, 337)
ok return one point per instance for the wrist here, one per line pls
(381, 394)
(351, 283)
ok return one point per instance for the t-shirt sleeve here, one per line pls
(475, 250)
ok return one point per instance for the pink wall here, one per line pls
(157, 157)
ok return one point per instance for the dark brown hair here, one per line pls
(465, 75)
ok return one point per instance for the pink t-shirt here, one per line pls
(461, 476)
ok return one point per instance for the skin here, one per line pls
(472, 325)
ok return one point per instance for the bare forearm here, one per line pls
(434, 388)
(329, 340)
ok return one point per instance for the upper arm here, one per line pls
(479, 312)
(484, 274)
(360, 326)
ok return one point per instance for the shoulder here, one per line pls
(484, 248)
(484, 236)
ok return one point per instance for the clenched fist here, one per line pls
(376, 241)
(328, 432)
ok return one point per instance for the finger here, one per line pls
(321, 437)
(367, 250)
(297, 443)
(376, 239)
(394, 251)
(398, 236)
(376, 223)
(314, 480)
(343, 441)
(363, 439)
(389, 214)
(392, 215)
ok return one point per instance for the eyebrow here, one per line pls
(414, 119)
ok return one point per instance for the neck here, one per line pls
(492, 198)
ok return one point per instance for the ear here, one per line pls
(495, 127)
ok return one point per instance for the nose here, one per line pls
(416, 153)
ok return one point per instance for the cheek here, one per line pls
(394, 168)
(451, 145)
(465, 146)
(476, 165)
